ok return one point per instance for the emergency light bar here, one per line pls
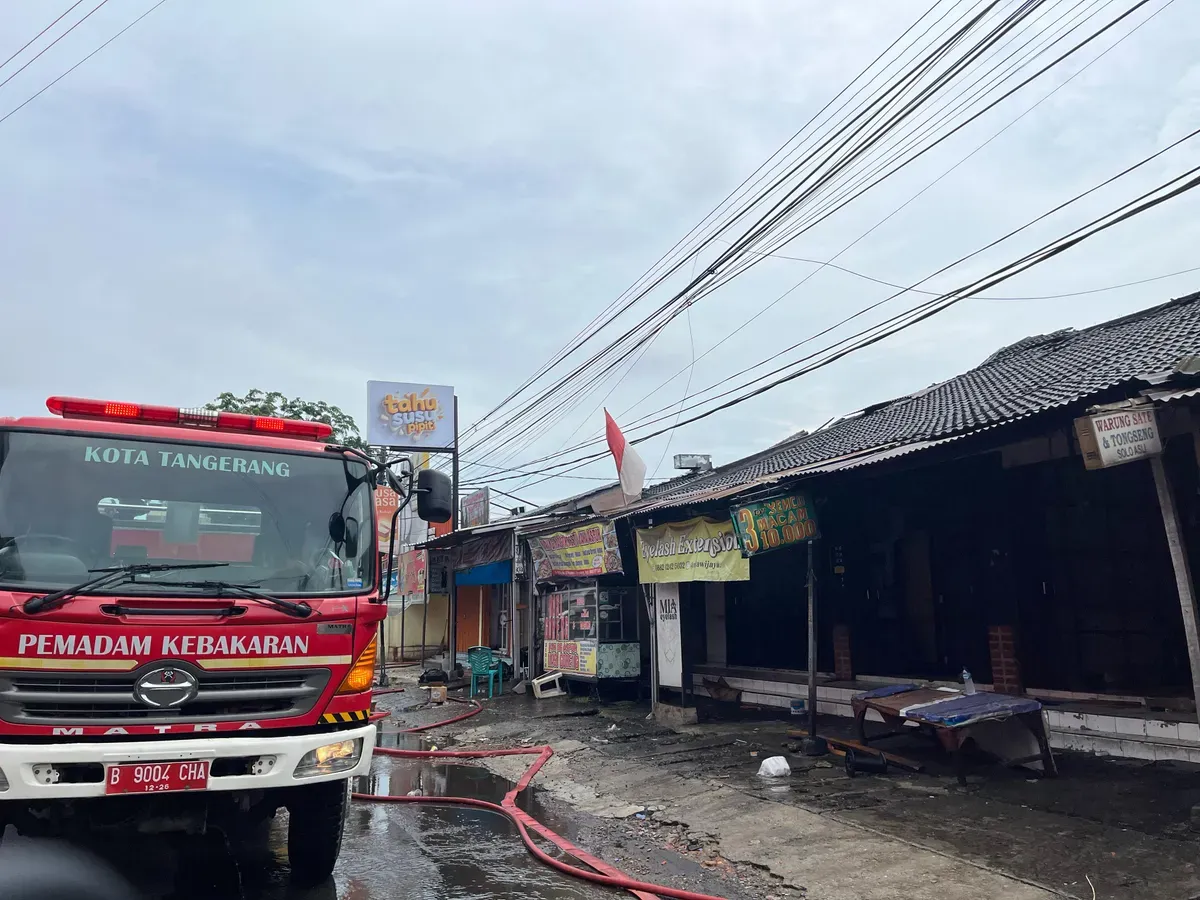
(116, 411)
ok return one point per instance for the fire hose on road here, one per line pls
(602, 872)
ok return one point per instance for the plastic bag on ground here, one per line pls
(774, 767)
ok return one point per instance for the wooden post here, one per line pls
(403, 610)
(812, 646)
(451, 618)
(1183, 572)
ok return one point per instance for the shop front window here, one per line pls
(617, 615)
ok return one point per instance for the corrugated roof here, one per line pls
(702, 493)
(454, 538)
(1031, 376)
(575, 499)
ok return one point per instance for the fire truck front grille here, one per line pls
(44, 698)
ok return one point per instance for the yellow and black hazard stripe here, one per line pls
(360, 715)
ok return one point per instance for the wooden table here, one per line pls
(947, 717)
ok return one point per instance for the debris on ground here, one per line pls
(774, 767)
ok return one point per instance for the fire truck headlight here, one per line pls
(329, 759)
(3, 782)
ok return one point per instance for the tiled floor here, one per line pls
(1090, 727)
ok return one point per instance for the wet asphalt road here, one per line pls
(390, 851)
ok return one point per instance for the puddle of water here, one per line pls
(457, 852)
(468, 778)
(390, 851)
(398, 740)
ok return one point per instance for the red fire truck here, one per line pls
(189, 604)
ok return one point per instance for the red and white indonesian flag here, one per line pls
(630, 468)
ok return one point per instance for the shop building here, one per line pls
(481, 571)
(961, 528)
(589, 615)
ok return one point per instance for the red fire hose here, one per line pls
(476, 709)
(603, 873)
(384, 713)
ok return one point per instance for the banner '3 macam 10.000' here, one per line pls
(774, 523)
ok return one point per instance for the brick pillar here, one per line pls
(843, 666)
(1006, 671)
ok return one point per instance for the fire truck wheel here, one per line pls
(316, 819)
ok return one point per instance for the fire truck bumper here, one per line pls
(30, 772)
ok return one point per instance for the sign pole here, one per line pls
(424, 621)
(454, 471)
(651, 596)
(451, 587)
(1183, 573)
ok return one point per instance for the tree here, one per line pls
(273, 403)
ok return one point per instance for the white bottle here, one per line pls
(968, 682)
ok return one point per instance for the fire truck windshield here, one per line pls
(73, 504)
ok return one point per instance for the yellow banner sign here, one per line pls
(695, 550)
(576, 657)
(582, 552)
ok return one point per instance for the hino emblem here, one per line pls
(166, 687)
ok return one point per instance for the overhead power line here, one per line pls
(729, 219)
(29, 42)
(1062, 296)
(830, 262)
(38, 55)
(1165, 191)
(563, 410)
(900, 101)
(761, 253)
(12, 112)
(680, 252)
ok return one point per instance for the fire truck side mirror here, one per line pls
(435, 496)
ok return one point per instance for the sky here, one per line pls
(302, 196)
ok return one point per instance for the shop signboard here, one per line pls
(668, 637)
(386, 503)
(408, 416)
(774, 523)
(570, 632)
(412, 572)
(575, 657)
(476, 508)
(1117, 437)
(696, 550)
(583, 552)
(437, 577)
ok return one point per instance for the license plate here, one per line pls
(156, 778)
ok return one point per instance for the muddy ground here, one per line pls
(688, 802)
(639, 844)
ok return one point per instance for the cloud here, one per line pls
(300, 196)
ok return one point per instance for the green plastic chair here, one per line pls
(483, 666)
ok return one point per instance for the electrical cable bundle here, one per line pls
(843, 153)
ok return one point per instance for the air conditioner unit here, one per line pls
(693, 462)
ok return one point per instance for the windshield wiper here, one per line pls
(300, 610)
(111, 575)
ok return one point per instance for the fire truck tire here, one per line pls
(316, 820)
